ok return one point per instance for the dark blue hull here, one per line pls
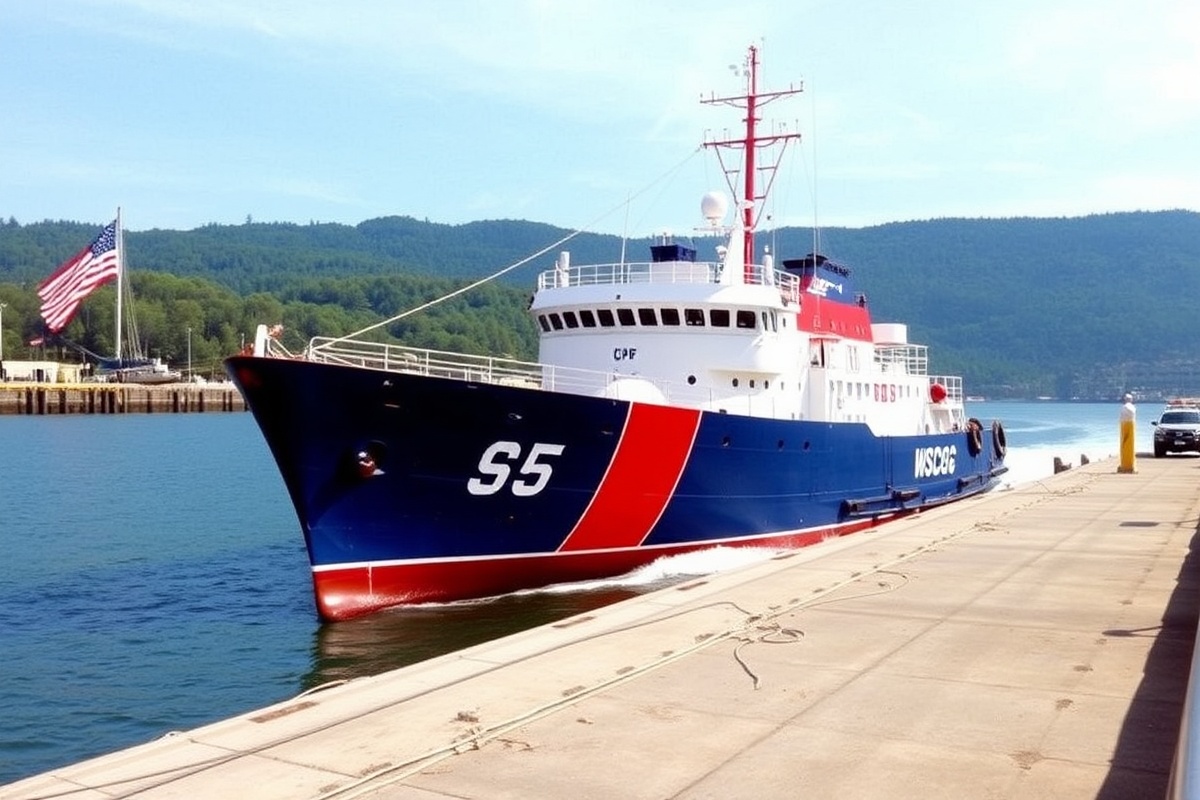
(412, 488)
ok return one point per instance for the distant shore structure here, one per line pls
(55, 399)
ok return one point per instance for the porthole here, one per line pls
(735, 383)
(691, 380)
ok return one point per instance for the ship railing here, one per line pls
(953, 385)
(664, 272)
(912, 359)
(502, 371)
(421, 361)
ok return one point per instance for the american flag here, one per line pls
(82, 274)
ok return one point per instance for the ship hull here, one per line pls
(410, 488)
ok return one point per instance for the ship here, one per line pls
(692, 400)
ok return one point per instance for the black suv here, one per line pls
(1177, 431)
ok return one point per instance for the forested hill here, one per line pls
(1086, 306)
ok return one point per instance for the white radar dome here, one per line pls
(714, 206)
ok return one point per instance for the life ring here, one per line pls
(999, 442)
(974, 436)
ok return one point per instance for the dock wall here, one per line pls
(96, 398)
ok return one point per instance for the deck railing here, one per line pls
(912, 358)
(664, 272)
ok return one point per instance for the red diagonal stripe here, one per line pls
(649, 459)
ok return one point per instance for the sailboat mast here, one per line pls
(120, 280)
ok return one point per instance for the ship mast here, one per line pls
(752, 100)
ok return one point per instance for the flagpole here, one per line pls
(120, 280)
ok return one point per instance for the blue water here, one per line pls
(155, 579)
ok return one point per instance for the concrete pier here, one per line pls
(117, 398)
(1032, 643)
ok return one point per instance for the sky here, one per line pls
(585, 114)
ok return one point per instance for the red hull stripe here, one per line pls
(645, 468)
(348, 591)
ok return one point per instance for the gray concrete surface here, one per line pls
(1031, 643)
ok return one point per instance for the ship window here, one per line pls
(752, 383)
(543, 322)
(570, 319)
(735, 383)
(625, 316)
(646, 316)
(745, 319)
(587, 318)
(556, 321)
(670, 316)
(766, 322)
(606, 317)
(719, 317)
(693, 316)
(691, 380)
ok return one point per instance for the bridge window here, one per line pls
(719, 317)
(670, 316)
(570, 319)
(745, 319)
(587, 318)
(556, 321)
(625, 316)
(646, 316)
(544, 322)
(606, 317)
(694, 317)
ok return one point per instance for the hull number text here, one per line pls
(496, 468)
(931, 461)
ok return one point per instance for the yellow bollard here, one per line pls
(1128, 416)
(1127, 455)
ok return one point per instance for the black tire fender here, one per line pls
(974, 436)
